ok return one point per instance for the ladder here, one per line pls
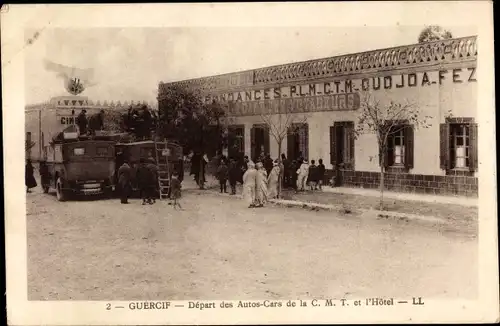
(163, 169)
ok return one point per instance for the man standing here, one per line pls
(285, 168)
(124, 176)
(96, 122)
(153, 186)
(144, 181)
(81, 121)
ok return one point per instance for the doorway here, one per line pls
(298, 141)
(236, 142)
(341, 148)
(259, 141)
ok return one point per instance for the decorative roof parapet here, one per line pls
(431, 53)
(407, 56)
(84, 102)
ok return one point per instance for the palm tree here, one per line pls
(434, 33)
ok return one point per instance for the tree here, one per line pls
(385, 120)
(280, 124)
(434, 33)
(186, 118)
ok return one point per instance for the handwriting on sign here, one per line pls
(337, 102)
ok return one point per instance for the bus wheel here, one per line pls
(60, 193)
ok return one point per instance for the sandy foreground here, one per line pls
(216, 248)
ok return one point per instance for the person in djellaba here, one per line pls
(124, 181)
(261, 194)
(249, 182)
(153, 187)
(302, 172)
(29, 178)
(234, 175)
(273, 180)
(145, 180)
(44, 174)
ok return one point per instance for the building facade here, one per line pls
(45, 120)
(324, 97)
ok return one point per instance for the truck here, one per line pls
(79, 165)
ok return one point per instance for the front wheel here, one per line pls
(60, 193)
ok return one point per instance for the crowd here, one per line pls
(261, 180)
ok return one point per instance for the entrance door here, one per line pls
(236, 142)
(298, 141)
(259, 141)
(342, 148)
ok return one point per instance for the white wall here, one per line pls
(434, 100)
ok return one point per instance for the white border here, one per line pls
(17, 17)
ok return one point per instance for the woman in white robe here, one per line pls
(249, 182)
(302, 172)
(261, 186)
(273, 181)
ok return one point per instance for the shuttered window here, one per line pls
(458, 144)
(400, 147)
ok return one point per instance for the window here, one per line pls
(79, 151)
(399, 149)
(102, 151)
(396, 146)
(458, 144)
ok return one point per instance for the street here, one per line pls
(217, 248)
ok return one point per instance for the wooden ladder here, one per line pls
(163, 169)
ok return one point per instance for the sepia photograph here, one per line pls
(202, 169)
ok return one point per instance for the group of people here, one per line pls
(258, 185)
(299, 174)
(261, 180)
(311, 175)
(90, 125)
(147, 182)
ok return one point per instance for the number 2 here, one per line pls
(108, 306)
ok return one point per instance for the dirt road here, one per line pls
(216, 248)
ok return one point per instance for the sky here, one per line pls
(129, 63)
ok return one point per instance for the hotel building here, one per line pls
(439, 77)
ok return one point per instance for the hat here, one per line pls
(305, 161)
